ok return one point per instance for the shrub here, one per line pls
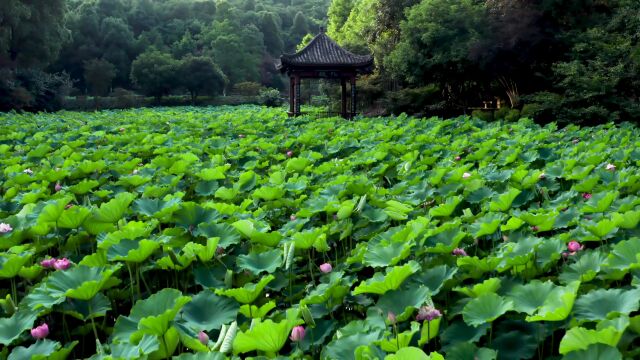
(413, 100)
(247, 88)
(482, 115)
(270, 97)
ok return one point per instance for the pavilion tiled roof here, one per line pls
(322, 51)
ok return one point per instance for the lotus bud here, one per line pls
(28, 171)
(428, 313)
(62, 264)
(466, 175)
(289, 153)
(58, 187)
(574, 246)
(459, 252)
(391, 317)
(326, 268)
(297, 334)
(586, 196)
(5, 228)
(40, 332)
(611, 167)
(293, 218)
(48, 263)
(203, 338)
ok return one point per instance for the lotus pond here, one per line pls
(218, 233)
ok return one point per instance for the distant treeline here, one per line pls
(567, 60)
(154, 47)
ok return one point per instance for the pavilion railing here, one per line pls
(325, 114)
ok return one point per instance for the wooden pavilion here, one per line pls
(324, 59)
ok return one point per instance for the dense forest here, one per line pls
(565, 60)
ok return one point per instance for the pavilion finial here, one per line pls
(322, 30)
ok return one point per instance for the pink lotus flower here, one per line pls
(542, 176)
(203, 338)
(58, 187)
(535, 228)
(574, 246)
(40, 332)
(459, 252)
(297, 333)
(241, 136)
(326, 268)
(28, 171)
(575, 141)
(289, 153)
(428, 313)
(68, 206)
(586, 196)
(135, 171)
(611, 167)
(48, 263)
(391, 317)
(62, 264)
(458, 158)
(5, 228)
(219, 250)
(121, 129)
(293, 218)
(466, 175)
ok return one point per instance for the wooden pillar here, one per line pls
(353, 97)
(297, 99)
(343, 83)
(292, 94)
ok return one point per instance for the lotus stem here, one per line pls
(130, 283)
(311, 267)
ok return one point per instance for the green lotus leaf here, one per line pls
(445, 238)
(585, 269)
(485, 308)
(268, 193)
(80, 282)
(73, 217)
(397, 210)
(412, 353)
(460, 332)
(578, 172)
(529, 297)
(595, 352)
(343, 347)
(216, 173)
(133, 181)
(489, 286)
(85, 310)
(587, 184)
(207, 311)
(601, 303)
(255, 312)
(447, 208)
(131, 231)
(600, 202)
(156, 208)
(189, 337)
(266, 336)
(315, 237)
(468, 351)
(30, 272)
(602, 229)
(267, 261)
(627, 220)
(88, 166)
(515, 344)
(476, 266)
(558, 304)
(12, 327)
(329, 293)
(403, 302)
(399, 340)
(134, 251)
(607, 333)
(125, 350)
(11, 264)
(434, 278)
(228, 234)
(104, 218)
(385, 254)
(625, 255)
(201, 356)
(503, 201)
(381, 283)
(41, 350)
(151, 316)
(257, 232)
(430, 330)
(84, 186)
(190, 215)
(486, 225)
(249, 292)
(542, 219)
(297, 164)
(346, 209)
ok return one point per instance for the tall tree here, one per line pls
(155, 73)
(338, 14)
(98, 75)
(31, 32)
(271, 31)
(201, 76)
